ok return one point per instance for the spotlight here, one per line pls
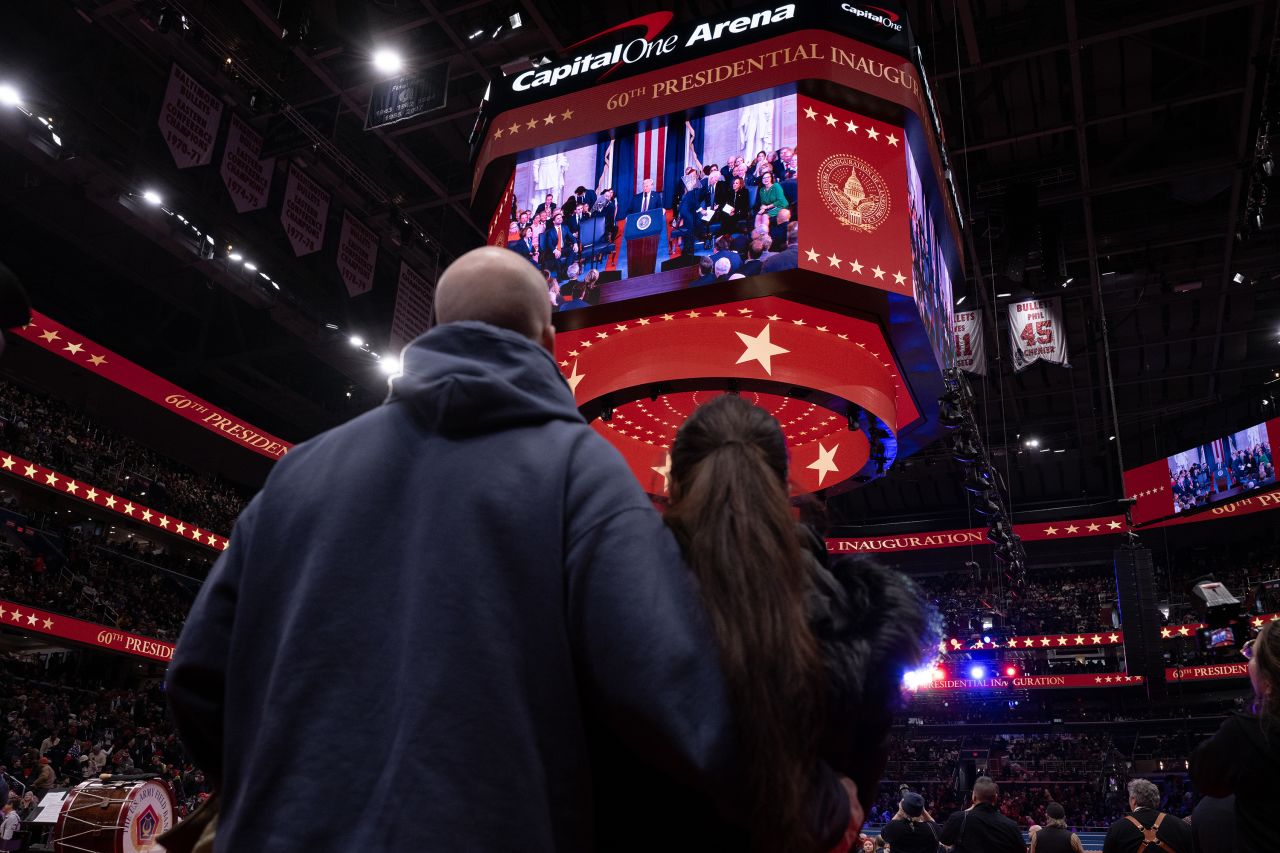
(1239, 278)
(977, 672)
(939, 673)
(387, 61)
(152, 197)
(235, 256)
(9, 96)
(950, 416)
(1032, 442)
(964, 449)
(986, 640)
(1011, 671)
(389, 365)
(986, 506)
(356, 341)
(978, 482)
(251, 266)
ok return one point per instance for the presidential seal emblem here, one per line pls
(644, 222)
(854, 192)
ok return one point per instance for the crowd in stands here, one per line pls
(59, 436)
(65, 721)
(1054, 602)
(1085, 772)
(101, 577)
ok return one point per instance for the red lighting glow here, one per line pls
(1011, 671)
(939, 674)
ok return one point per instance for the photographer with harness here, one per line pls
(1146, 829)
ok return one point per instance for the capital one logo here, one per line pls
(876, 15)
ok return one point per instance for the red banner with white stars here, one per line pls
(50, 335)
(22, 617)
(16, 466)
(770, 341)
(1032, 682)
(1074, 529)
(856, 216)
(1105, 637)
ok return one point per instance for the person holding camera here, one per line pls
(912, 829)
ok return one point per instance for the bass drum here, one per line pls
(113, 817)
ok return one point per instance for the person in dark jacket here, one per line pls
(447, 586)
(1054, 836)
(1213, 825)
(1243, 756)
(1128, 834)
(811, 655)
(981, 828)
(912, 829)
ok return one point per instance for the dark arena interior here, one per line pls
(987, 563)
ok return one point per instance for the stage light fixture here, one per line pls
(515, 21)
(251, 266)
(389, 365)
(965, 450)
(939, 673)
(152, 197)
(1239, 278)
(986, 506)
(1032, 442)
(356, 341)
(977, 482)
(387, 61)
(9, 96)
(977, 672)
(235, 256)
(986, 639)
(950, 416)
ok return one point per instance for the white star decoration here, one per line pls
(664, 470)
(574, 378)
(760, 348)
(825, 463)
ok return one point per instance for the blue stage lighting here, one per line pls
(977, 672)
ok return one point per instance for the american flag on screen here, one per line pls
(651, 145)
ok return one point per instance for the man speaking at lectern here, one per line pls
(646, 199)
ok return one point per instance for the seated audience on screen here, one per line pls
(790, 258)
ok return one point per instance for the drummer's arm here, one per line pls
(196, 679)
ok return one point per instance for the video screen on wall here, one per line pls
(1222, 469)
(702, 196)
(931, 276)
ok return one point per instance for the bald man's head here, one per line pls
(498, 287)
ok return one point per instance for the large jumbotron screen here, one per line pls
(708, 172)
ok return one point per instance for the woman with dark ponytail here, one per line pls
(1243, 757)
(812, 658)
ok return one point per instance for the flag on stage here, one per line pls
(651, 146)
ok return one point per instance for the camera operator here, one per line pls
(912, 829)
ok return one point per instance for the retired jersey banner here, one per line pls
(246, 177)
(189, 119)
(305, 210)
(66, 343)
(23, 618)
(412, 316)
(1036, 332)
(357, 255)
(856, 217)
(971, 355)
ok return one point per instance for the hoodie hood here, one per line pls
(470, 378)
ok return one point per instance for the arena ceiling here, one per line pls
(1134, 123)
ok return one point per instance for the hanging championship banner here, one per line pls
(971, 355)
(357, 255)
(247, 178)
(407, 96)
(189, 119)
(305, 209)
(413, 308)
(1036, 332)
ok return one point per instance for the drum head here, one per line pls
(147, 814)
